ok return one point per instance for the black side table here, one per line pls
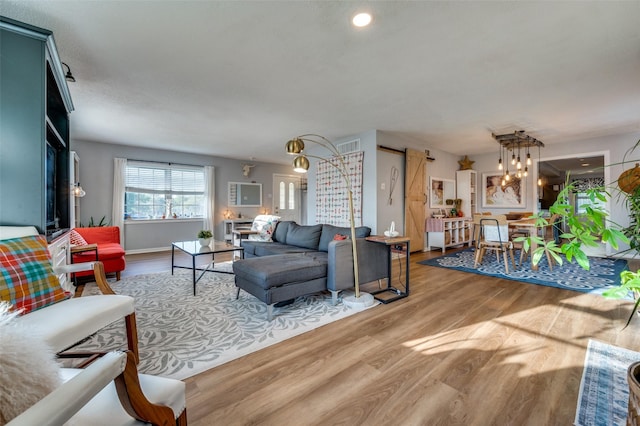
(392, 242)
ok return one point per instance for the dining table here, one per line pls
(529, 225)
(524, 223)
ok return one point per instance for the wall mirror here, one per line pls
(441, 190)
(245, 194)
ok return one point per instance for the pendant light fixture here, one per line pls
(539, 179)
(510, 142)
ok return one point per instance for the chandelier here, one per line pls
(517, 143)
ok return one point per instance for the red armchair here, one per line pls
(109, 250)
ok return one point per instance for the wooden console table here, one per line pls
(392, 242)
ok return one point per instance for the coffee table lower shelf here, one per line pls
(194, 249)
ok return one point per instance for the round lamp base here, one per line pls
(364, 301)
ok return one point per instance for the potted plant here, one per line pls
(591, 227)
(204, 237)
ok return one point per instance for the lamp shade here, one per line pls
(294, 146)
(301, 164)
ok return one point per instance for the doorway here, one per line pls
(287, 197)
(589, 169)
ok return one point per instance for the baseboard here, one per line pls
(148, 250)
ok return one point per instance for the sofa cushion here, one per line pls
(76, 239)
(304, 236)
(264, 224)
(274, 271)
(27, 280)
(105, 251)
(100, 234)
(330, 231)
(275, 249)
(280, 233)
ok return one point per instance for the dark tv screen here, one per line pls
(50, 178)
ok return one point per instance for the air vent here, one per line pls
(347, 147)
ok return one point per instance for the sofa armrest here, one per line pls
(373, 263)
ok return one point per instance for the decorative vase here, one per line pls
(204, 241)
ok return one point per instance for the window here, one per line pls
(158, 191)
(583, 201)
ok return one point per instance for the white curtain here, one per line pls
(209, 198)
(119, 182)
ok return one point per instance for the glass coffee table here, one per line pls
(194, 249)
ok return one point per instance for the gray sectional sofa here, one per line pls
(305, 259)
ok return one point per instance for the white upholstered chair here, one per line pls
(109, 392)
(66, 323)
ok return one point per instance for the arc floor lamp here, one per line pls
(301, 165)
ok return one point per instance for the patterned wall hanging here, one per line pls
(332, 197)
(582, 185)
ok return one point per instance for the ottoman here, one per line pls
(277, 278)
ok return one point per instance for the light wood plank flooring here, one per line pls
(461, 349)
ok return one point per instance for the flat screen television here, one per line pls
(52, 221)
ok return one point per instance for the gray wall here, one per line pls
(96, 177)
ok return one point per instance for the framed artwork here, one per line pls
(441, 190)
(496, 195)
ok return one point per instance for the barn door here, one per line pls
(415, 198)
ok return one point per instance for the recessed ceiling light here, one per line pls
(361, 20)
(585, 164)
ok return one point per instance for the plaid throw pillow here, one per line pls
(76, 239)
(27, 280)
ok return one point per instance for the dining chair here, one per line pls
(494, 236)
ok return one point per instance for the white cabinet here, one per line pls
(231, 225)
(59, 250)
(449, 232)
(466, 190)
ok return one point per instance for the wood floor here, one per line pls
(461, 349)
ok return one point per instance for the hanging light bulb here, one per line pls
(500, 159)
(503, 182)
(518, 163)
(507, 177)
(539, 182)
(526, 171)
(519, 174)
(513, 158)
(528, 157)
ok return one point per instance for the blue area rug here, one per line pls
(604, 273)
(604, 390)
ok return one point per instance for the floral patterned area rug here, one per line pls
(181, 335)
(604, 272)
(604, 390)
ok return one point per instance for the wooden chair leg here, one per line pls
(479, 255)
(513, 260)
(118, 276)
(506, 261)
(133, 400)
(132, 335)
(550, 261)
(182, 420)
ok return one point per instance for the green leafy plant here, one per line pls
(92, 224)
(205, 233)
(589, 229)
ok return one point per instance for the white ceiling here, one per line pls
(238, 79)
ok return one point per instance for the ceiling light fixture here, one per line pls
(361, 20)
(517, 140)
